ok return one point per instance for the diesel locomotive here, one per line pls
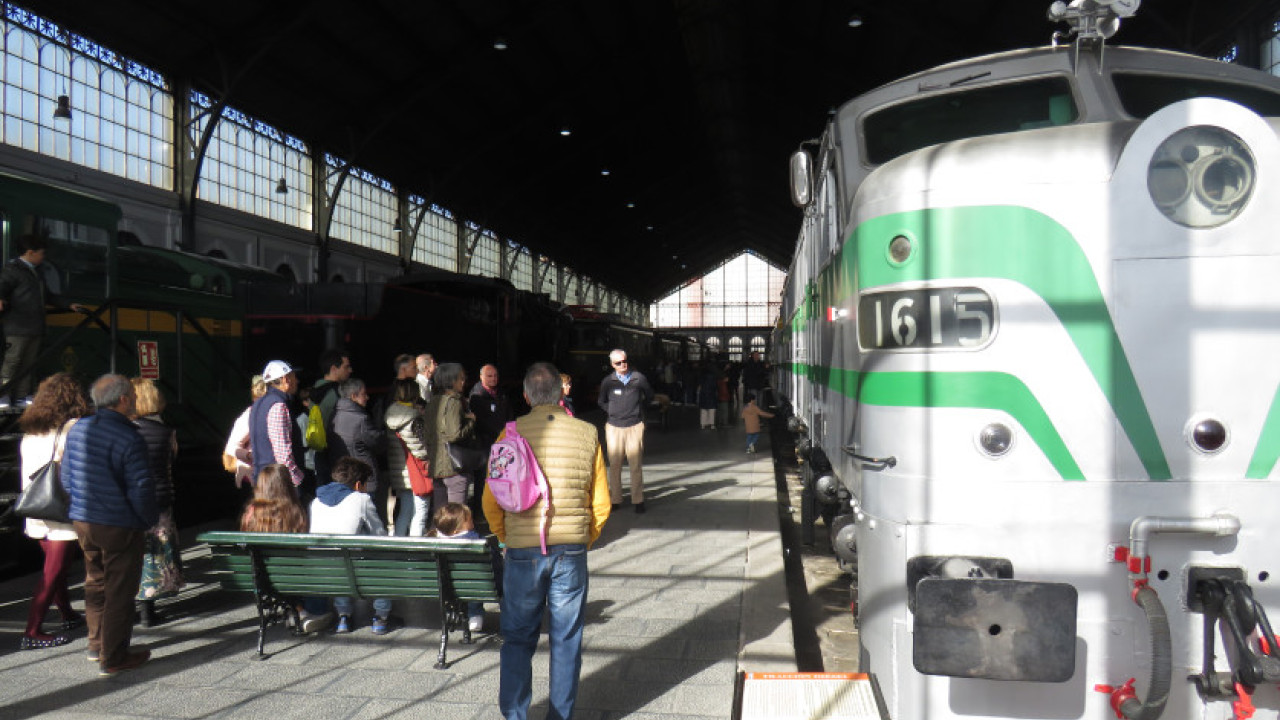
(1030, 337)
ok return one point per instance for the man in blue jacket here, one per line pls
(113, 503)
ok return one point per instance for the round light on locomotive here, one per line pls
(995, 439)
(1201, 177)
(1207, 435)
(900, 248)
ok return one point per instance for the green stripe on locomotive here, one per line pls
(1024, 246)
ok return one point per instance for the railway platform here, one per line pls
(680, 599)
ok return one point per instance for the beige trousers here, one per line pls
(625, 443)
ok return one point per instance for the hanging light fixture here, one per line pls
(397, 227)
(282, 188)
(63, 110)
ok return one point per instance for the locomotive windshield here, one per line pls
(1143, 94)
(990, 110)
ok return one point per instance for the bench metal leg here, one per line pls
(441, 662)
(262, 628)
(272, 610)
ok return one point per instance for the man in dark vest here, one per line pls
(274, 434)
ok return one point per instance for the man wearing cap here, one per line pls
(274, 434)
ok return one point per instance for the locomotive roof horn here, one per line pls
(1091, 21)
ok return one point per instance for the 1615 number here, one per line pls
(926, 318)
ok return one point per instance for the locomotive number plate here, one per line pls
(926, 319)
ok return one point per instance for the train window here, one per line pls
(1141, 94)
(55, 229)
(902, 128)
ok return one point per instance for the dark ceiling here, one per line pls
(691, 105)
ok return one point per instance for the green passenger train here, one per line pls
(1030, 338)
(152, 311)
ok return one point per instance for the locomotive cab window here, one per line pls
(1143, 94)
(902, 128)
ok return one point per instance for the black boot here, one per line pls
(147, 608)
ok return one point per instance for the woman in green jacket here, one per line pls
(449, 431)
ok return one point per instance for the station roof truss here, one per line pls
(680, 114)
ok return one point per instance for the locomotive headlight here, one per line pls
(1201, 177)
(995, 439)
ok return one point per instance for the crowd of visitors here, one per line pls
(331, 459)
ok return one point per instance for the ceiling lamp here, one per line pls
(63, 110)
(282, 187)
(565, 131)
(855, 21)
(499, 43)
(397, 227)
(604, 172)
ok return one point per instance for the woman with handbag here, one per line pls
(161, 560)
(58, 403)
(450, 429)
(405, 422)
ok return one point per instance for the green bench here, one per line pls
(281, 568)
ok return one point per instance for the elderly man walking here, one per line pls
(623, 397)
(568, 451)
(113, 502)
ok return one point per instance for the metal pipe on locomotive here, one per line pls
(1029, 337)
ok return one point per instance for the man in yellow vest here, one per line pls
(568, 451)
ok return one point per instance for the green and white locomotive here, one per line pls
(1031, 338)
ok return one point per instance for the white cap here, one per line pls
(275, 370)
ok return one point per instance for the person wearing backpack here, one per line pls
(336, 366)
(567, 450)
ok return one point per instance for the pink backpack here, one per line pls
(516, 480)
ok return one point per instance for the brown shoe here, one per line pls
(131, 661)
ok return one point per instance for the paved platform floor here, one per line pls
(680, 599)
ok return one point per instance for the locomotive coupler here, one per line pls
(1228, 602)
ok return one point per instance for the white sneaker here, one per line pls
(315, 623)
(476, 623)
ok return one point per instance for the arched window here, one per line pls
(743, 291)
(759, 344)
(713, 346)
(735, 349)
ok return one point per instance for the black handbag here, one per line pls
(467, 460)
(45, 498)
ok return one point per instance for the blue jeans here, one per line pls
(344, 606)
(531, 582)
(752, 438)
(413, 513)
